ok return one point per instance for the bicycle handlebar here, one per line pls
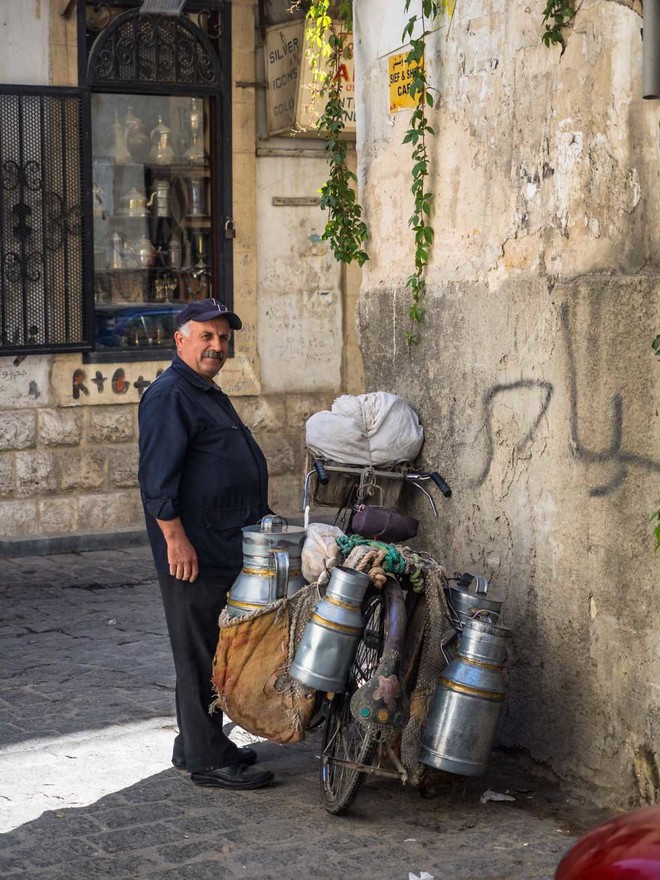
(441, 483)
(321, 472)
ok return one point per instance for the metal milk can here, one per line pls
(330, 638)
(272, 561)
(467, 702)
(468, 596)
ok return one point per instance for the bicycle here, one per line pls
(352, 747)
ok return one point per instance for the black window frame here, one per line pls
(221, 140)
(54, 216)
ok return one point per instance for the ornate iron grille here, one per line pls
(138, 48)
(42, 252)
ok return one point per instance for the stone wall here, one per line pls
(534, 376)
(68, 475)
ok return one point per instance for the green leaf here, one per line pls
(407, 31)
(656, 530)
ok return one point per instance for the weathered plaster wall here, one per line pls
(300, 308)
(16, 20)
(68, 430)
(534, 377)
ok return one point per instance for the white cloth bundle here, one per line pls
(320, 550)
(377, 428)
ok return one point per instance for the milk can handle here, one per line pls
(482, 583)
(281, 573)
(268, 522)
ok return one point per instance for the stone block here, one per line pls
(60, 427)
(35, 473)
(281, 453)
(17, 518)
(111, 424)
(285, 495)
(7, 479)
(110, 510)
(18, 430)
(81, 469)
(262, 413)
(123, 466)
(299, 407)
(58, 515)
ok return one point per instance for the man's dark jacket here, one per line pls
(199, 462)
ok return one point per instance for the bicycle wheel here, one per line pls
(344, 739)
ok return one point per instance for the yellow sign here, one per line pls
(401, 74)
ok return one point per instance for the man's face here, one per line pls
(205, 349)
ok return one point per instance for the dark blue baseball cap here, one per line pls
(206, 310)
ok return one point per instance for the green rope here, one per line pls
(393, 561)
(415, 572)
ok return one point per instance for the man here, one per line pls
(202, 478)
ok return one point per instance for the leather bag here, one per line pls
(382, 524)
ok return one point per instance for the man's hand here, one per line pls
(180, 552)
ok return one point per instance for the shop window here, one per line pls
(160, 171)
(115, 197)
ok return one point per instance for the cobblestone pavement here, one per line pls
(86, 789)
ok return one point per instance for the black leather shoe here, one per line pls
(246, 756)
(237, 777)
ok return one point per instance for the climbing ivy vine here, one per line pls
(345, 229)
(556, 16)
(417, 135)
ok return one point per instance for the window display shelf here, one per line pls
(154, 216)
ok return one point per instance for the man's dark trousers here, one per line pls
(191, 612)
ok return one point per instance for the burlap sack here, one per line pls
(250, 670)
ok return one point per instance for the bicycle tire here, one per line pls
(343, 737)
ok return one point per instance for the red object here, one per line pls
(624, 848)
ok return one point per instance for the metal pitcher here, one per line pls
(468, 702)
(272, 562)
(331, 637)
(160, 197)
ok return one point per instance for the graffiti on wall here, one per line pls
(119, 384)
(492, 395)
(614, 452)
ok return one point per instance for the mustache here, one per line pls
(214, 355)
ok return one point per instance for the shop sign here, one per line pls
(309, 107)
(401, 74)
(283, 54)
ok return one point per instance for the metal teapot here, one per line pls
(134, 203)
(272, 561)
(139, 254)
